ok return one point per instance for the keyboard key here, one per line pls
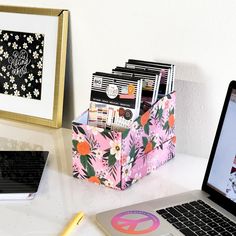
(218, 214)
(219, 229)
(194, 203)
(225, 219)
(180, 209)
(172, 220)
(212, 233)
(194, 228)
(187, 206)
(194, 219)
(188, 214)
(200, 215)
(224, 224)
(200, 223)
(206, 228)
(206, 220)
(211, 215)
(225, 233)
(195, 211)
(189, 223)
(213, 224)
(231, 229)
(213, 210)
(207, 206)
(200, 207)
(232, 224)
(167, 216)
(178, 225)
(187, 232)
(201, 202)
(218, 220)
(173, 212)
(206, 212)
(168, 208)
(200, 233)
(161, 211)
(182, 219)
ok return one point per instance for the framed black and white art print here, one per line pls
(32, 64)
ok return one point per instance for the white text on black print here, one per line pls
(18, 63)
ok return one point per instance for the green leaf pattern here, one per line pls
(119, 159)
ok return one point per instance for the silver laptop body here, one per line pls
(161, 216)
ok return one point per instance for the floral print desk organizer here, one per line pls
(119, 159)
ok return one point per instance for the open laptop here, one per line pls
(20, 173)
(210, 211)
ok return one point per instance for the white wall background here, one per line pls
(199, 36)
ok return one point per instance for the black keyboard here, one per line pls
(196, 218)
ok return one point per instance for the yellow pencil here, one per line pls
(71, 225)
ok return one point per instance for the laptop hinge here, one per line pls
(226, 206)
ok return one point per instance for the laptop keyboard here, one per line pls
(196, 218)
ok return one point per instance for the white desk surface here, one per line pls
(60, 195)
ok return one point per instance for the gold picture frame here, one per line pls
(59, 20)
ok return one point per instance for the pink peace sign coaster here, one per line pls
(135, 222)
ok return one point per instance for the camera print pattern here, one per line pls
(21, 64)
(231, 186)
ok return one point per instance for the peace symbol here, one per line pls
(135, 222)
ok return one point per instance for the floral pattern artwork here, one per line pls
(21, 64)
(119, 159)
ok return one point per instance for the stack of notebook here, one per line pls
(118, 98)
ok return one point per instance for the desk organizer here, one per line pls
(119, 159)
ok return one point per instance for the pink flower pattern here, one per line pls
(125, 155)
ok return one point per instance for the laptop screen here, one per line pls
(222, 176)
